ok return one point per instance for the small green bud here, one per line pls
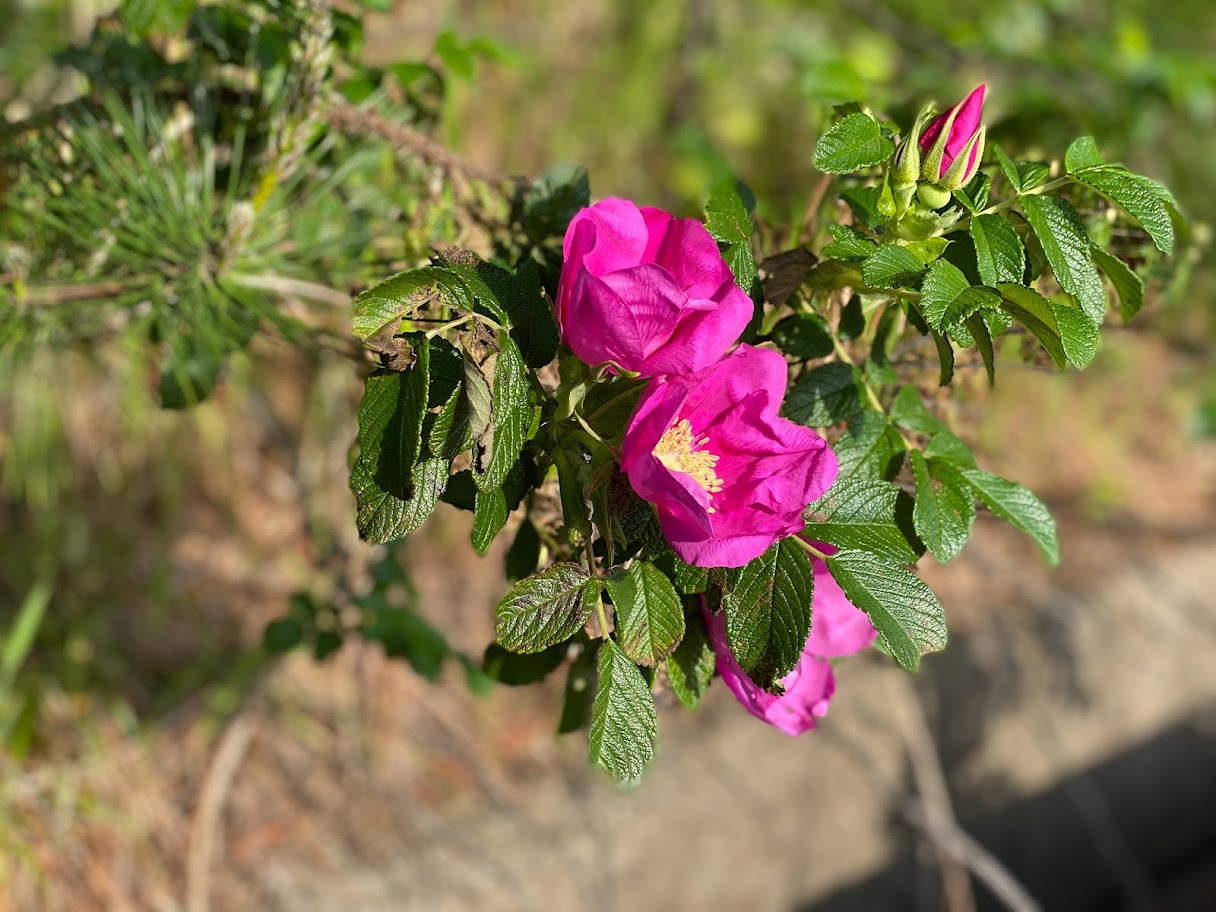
(933, 196)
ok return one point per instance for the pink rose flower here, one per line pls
(838, 628)
(647, 292)
(727, 475)
(953, 143)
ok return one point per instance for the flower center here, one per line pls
(679, 452)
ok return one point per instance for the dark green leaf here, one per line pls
(395, 297)
(1018, 506)
(553, 199)
(623, 719)
(515, 670)
(687, 579)
(1082, 153)
(730, 224)
(947, 299)
(691, 666)
(1065, 332)
(511, 417)
(1010, 169)
(1139, 197)
(854, 143)
(546, 609)
(866, 204)
(852, 319)
(974, 196)
(1128, 286)
(580, 686)
(489, 516)
(768, 612)
(869, 514)
(999, 253)
(892, 266)
(384, 516)
(649, 614)
(524, 553)
(1059, 229)
(908, 411)
(406, 635)
(945, 447)
(803, 335)
(945, 507)
(282, 635)
(906, 613)
(823, 396)
(945, 357)
(983, 343)
(1031, 174)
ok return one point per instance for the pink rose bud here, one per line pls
(838, 628)
(727, 475)
(953, 144)
(646, 292)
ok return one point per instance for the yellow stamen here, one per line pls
(679, 452)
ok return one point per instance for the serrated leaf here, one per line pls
(945, 507)
(533, 326)
(866, 204)
(945, 358)
(687, 579)
(1065, 332)
(1000, 255)
(905, 612)
(974, 196)
(511, 412)
(1031, 174)
(852, 319)
(869, 514)
(1139, 197)
(691, 667)
(394, 298)
(1016, 505)
(947, 298)
(1058, 227)
(929, 249)
(870, 449)
(383, 516)
(553, 199)
(1082, 153)
(946, 447)
(489, 516)
(803, 335)
(855, 142)
(823, 396)
(892, 266)
(1010, 169)
(848, 244)
(624, 723)
(730, 224)
(908, 411)
(768, 612)
(649, 614)
(449, 433)
(1128, 286)
(546, 609)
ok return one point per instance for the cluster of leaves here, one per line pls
(476, 404)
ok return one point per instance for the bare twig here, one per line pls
(286, 287)
(218, 782)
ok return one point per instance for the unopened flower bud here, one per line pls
(955, 136)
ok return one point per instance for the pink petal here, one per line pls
(691, 255)
(705, 330)
(621, 316)
(838, 627)
(966, 122)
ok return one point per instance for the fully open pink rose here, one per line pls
(727, 475)
(647, 292)
(838, 628)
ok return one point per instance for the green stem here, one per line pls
(459, 321)
(843, 354)
(601, 616)
(811, 549)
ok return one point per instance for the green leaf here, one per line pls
(546, 609)
(1139, 197)
(856, 142)
(999, 253)
(516, 670)
(905, 612)
(929, 249)
(518, 296)
(983, 342)
(489, 516)
(945, 357)
(869, 514)
(687, 579)
(768, 612)
(1010, 169)
(945, 507)
(803, 335)
(849, 244)
(823, 396)
(908, 411)
(691, 666)
(870, 449)
(1128, 286)
(649, 615)
(1018, 506)
(852, 319)
(395, 298)
(945, 447)
(282, 635)
(524, 553)
(1082, 153)
(623, 718)
(730, 224)
(383, 515)
(1031, 174)
(405, 635)
(947, 298)
(497, 446)
(892, 266)
(974, 196)
(1065, 332)
(1058, 227)
(552, 201)
(866, 203)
